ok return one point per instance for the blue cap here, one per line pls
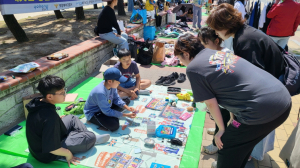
(114, 74)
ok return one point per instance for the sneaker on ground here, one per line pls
(210, 149)
(169, 81)
(211, 131)
(214, 164)
(100, 139)
(182, 78)
(174, 74)
(160, 80)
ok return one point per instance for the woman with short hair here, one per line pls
(248, 42)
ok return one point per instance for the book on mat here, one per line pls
(171, 112)
(157, 104)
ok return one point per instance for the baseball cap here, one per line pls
(114, 74)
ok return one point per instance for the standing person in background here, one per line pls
(197, 17)
(285, 21)
(107, 20)
(239, 5)
(130, 5)
(150, 7)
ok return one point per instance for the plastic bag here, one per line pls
(139, 16)
(149, 32)
(25, 68)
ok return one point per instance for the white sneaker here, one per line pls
(210, 149)
(214, 164)
(100, 139)
(211, 131)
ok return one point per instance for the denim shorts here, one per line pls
(130, 83)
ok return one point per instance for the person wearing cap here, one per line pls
(103, 105)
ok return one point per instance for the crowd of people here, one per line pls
(243, 87)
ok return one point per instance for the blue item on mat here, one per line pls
(166, 131)
(149, 32)
(157, 165)
(139, 16)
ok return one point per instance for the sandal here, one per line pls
(210, 149)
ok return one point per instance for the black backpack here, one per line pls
(145, 54)
(291, 73)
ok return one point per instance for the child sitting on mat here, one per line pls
(103, 105)
(132, 86)
(51, 137)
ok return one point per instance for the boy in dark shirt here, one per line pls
(128, 67)
(50, 136)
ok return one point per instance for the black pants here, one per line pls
(102, 120)
(238, 143)
(25, 165)
(183, 18)
(158, 19)
(226, 117)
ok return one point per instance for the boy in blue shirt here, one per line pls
(132, 86)
(100, 106)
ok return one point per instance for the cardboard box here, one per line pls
(27, 99)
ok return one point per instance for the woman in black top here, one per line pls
(106, 22)
(248, 42)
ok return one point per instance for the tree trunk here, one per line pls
(121, 11)
(15, 28)
(95, 6)
(58, 14)
(79, 13)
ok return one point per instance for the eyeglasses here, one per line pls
(63, 93)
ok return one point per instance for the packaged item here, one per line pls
(25, 68)
(57, 56)
(185, 116)
(2, 78)
(166, 131)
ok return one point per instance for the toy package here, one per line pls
(157, 104)
(172, 112)
(185, 116)
(57, 56)
(157, 165)
(166, 131)
(25, 68)
(121, 160)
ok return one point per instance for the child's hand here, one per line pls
(133, 95)
(130, 109)
(136, 89)
(72, 159)
(131, 115)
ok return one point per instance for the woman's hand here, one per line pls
(218, 139)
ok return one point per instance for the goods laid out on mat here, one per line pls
(160, 135)
(175, 30)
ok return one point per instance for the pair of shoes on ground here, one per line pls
(171, 79)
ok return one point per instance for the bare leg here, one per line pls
(145, 83)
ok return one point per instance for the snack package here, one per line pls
(25, 68)
(57, 56)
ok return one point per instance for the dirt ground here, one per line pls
(47, 35)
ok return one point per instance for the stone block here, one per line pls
(12, 115)
(22, 93)
(7, 103)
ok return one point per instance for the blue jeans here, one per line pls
(130, 5)
(197, 17)
(120, 41)
(281, 41)
(130, 83)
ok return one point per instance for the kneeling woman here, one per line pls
(221, 78)
(106, 22)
